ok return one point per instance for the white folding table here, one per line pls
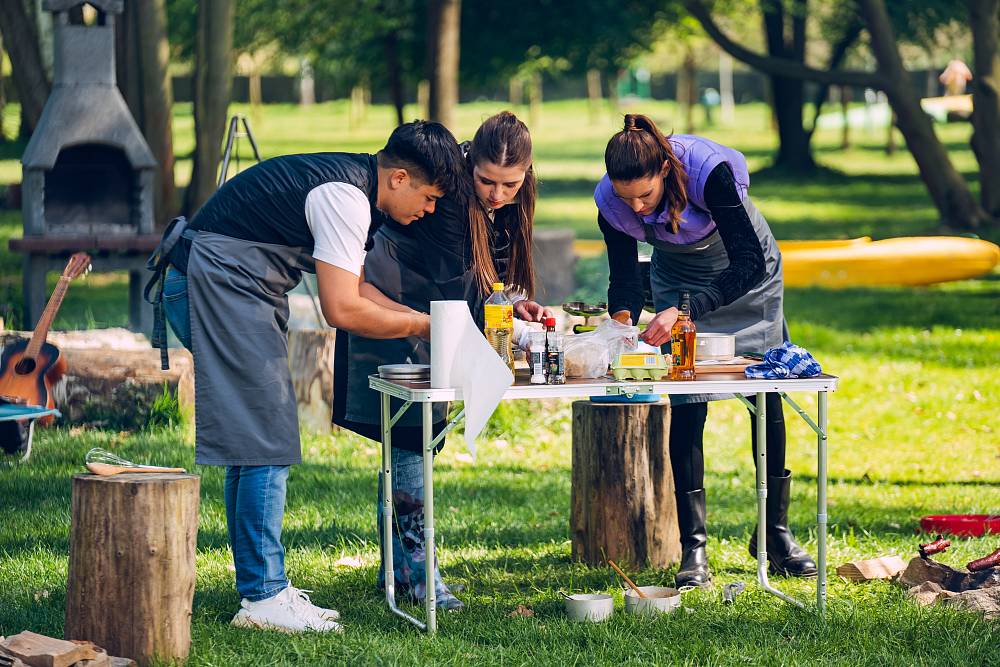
(713, 383)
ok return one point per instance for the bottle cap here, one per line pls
(497, 287)
(549, 321)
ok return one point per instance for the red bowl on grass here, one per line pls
(961, 525)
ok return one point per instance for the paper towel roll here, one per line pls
(447, 328)
(462, 358)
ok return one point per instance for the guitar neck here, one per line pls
(45, 321)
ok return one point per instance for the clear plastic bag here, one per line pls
(588, 355)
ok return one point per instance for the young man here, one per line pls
(248, 246)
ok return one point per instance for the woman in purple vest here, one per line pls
(688, 198)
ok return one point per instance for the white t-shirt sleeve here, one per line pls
(339, 216)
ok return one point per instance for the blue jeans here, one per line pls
(255, 507)
(175, 305)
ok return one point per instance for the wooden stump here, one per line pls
(310, 359)
(131, 564)
(623, 505)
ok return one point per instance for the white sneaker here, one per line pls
(300, 598)
(284, 612)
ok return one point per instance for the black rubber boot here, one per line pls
(785, 556)
(691, 520)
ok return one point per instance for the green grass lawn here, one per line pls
(912, 432)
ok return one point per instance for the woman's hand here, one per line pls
(624, 317)
(529, 311)
(658, 330)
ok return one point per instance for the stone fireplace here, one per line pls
(87, 172)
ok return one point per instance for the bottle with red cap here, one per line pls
(555, 357)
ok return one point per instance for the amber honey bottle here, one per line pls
(682, 342)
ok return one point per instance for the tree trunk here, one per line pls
(3, 96)
(126, 59)
(535, 100)
(622, 505)
(394, 69)
(157, 101)
(686, 87)
(726, 97)
(986, 100)
(443, 53)
(132, 564)
(788, 94)
(947, 188)
(594, 97)
(845, 107)
(213, 86)
(20, 35)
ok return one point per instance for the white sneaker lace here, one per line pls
(300, 600)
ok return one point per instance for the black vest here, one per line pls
(267, 202)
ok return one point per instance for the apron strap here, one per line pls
(158, 263)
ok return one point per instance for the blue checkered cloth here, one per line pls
(785, 361)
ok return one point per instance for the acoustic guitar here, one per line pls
(28, 369)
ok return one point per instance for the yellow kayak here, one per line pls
(904, 261)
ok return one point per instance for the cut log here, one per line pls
(623, 505)
(885, 567)
(114, 377)
(310, 358)
(132, 564)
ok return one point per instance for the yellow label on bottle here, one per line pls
(499, 316)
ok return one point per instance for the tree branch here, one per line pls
(837, 55)
(781, 66)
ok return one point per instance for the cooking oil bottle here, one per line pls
(500, 324)
(682, 342)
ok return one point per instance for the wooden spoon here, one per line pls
(106, 469)
(627, 580)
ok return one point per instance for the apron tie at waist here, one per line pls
(169, 252)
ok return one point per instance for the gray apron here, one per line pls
(245, 409)
(757, 318)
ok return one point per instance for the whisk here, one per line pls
(102, 462)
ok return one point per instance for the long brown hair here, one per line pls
(639, 151)
(504, 141)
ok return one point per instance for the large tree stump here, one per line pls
(131, 564)
(623, 505)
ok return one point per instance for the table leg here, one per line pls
(821, 475)
(760, 414)
(760, 424)
(429, 550)
(387, 518)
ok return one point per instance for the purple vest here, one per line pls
(699, 157)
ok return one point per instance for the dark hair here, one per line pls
(639, 151)
(505, 141)
(428, 151)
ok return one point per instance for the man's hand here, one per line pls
(530, 311)
(658, 330)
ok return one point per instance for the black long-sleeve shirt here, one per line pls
(746, 257)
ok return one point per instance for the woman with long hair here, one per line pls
(688, 198)
(474, 238)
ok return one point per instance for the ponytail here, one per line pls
(639, 151)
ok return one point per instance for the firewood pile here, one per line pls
(29, 649)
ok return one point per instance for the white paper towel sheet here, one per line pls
(462, 357)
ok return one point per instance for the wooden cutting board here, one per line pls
(737, 365)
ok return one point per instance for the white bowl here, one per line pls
(593, 607)
(715, 346)
(658, 600)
